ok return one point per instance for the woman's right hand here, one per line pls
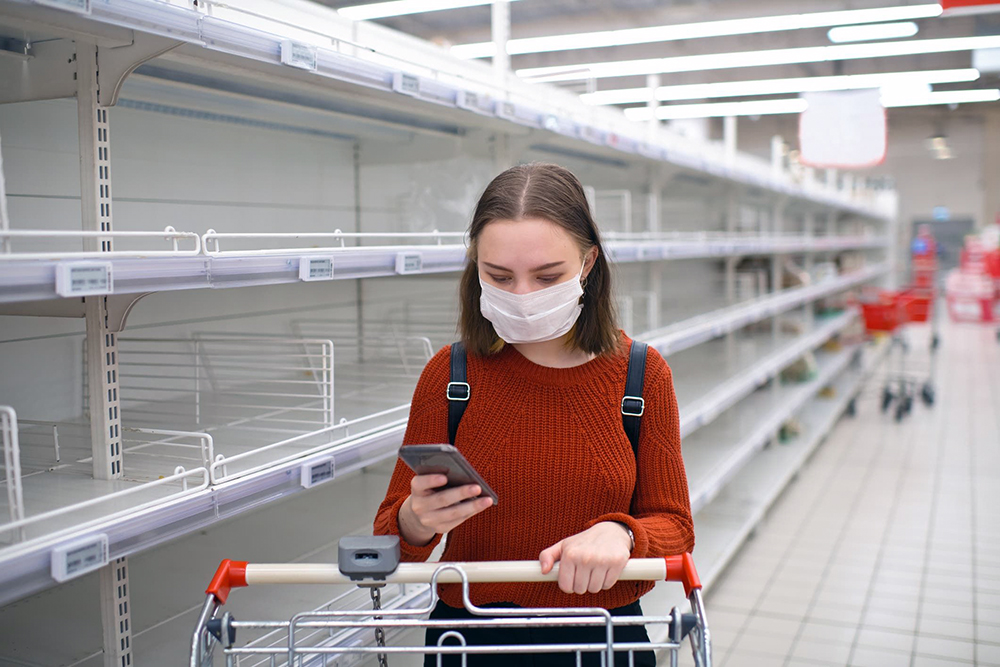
(428, 511)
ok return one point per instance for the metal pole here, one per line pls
(102, 342)
(500, 28)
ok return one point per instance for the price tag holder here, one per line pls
(76, 6)
(409, 262)
(84, 279)
(407, 84)
(318, 472)
(80, 557)
(316, 268)
(296, 54)
(470, 101)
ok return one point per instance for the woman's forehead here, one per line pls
(530, 241)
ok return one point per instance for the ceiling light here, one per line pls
(381, 10)
(719, 109)
(871, 33)
(714, 61)
(798, 105)
(703, 91)
(728, 27)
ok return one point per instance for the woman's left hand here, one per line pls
(591, 561)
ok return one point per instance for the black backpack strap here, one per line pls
(633, 404)
(458, 391)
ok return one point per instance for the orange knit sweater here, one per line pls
(551, 444)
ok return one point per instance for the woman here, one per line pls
(547, 366)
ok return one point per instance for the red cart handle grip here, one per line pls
(681, 568)
(231, 574)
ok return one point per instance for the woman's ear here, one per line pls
(589, 259)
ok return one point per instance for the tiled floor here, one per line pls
(886, 549)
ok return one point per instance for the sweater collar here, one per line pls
(574, 375)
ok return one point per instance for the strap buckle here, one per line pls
(462, 391)
(633, 406)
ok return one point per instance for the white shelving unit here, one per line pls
(182, 402)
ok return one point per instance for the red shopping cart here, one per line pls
(352, 636)
(886, 313)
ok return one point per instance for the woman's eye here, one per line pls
(503, 280)
(548, 279)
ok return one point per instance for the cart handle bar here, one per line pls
(234, 574)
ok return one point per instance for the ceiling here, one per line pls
(531, 18)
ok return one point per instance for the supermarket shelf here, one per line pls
(701, 328)
(364, 71)
(36, 280)
(244, 480)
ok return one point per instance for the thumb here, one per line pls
(549, 557)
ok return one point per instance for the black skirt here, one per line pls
(522, 636)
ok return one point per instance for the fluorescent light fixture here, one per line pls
(872, 33)
(729, 27)
(719, 109)
(918, 98)
(705, 91)
(715, 61)
(381, 10)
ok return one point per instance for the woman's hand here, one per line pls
(591, 561)
(428, 511)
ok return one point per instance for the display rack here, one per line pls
(178, 432)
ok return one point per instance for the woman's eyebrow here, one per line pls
(543, 267)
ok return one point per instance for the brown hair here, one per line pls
(549, 192)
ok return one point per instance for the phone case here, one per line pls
(446, 460)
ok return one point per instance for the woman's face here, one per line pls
(522, 256)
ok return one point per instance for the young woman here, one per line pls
(543, 426)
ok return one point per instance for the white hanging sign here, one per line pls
(843, 130)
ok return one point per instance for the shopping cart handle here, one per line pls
(681, 568)
(233, 574)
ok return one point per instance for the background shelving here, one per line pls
(721, 262)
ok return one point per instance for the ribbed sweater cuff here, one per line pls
(409, 552)
(641, 538)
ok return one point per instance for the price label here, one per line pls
(409, 262)
(76, 558)
(506, 110)
(296, 54)
(317, 472)
(406, 84)
(84, 279)
(316, 268)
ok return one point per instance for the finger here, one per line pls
(456, 514)
(549, 556)
(567, 570)
(596, 584)
(449, 497)
(425, 484)
(581, 580)
(611, 577)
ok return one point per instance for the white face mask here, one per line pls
(534, 317)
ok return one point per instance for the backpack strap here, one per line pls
(458, 391)
(633, 405)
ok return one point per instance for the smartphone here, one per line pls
(445, 460)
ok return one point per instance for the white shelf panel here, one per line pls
(263, 450)
(250, 42)
(35, 280)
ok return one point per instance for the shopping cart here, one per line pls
(886, 313)
(339, 630)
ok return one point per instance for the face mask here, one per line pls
(534, 317)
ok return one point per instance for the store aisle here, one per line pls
(886, 550)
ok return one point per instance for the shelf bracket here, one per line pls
(116, 614)
(117, 63)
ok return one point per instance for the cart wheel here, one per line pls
(907, 403)
(900, 411)
(852, 407)
(886, 399)
(936, 341)
(927, 393)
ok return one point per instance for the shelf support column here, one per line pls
(777, 226)
(102, 341)
(810, 233)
